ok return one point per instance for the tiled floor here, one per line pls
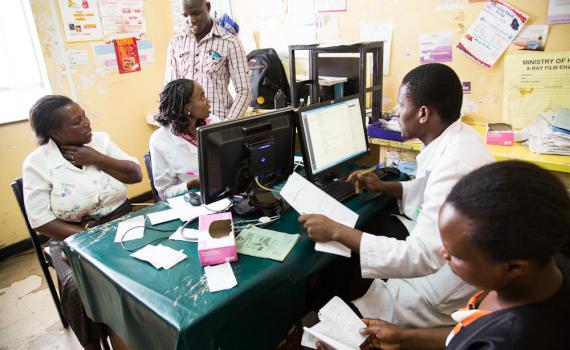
(29, 318)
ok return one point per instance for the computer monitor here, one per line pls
(232, 154)
(332, 135)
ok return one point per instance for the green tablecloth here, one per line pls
(173, 309)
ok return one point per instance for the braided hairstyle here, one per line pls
(43, 118)
(517, 211)
(172, 110)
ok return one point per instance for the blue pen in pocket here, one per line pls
(215, 55)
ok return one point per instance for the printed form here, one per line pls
(307, 198)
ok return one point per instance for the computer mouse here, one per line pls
(387, 171)
(193, 198)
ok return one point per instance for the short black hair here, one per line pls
(517, 211)
(437, 86)
(172, 108)
(43, 118)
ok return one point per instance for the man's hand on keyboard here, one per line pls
(365, 180)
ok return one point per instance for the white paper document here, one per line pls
(130, 229)
(160, 256)
(220, 277)
(339, 327)
(306, 198)
(187, 212)
(187, 234)
(162, 216)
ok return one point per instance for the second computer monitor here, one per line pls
(332, 135)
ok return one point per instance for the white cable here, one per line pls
(263, 187)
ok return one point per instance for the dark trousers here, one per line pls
(343, 277)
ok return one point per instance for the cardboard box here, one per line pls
(216, 239)
(500, 134)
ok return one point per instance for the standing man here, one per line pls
(206, 53)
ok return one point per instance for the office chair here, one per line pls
(148, 164)
(43, 257)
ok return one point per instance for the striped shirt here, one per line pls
(211, 62)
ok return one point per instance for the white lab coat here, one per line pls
(56, 189)
(172, 158)
(419, 292)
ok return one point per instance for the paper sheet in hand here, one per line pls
(339, 327)
(307, 198)
(268, 244)
(220, 277)
(130, 229)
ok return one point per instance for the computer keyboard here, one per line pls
(338, 188)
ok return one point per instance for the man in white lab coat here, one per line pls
(421, 290)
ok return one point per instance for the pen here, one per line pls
(371, 169)
(190, 173)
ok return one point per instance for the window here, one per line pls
(23, 77)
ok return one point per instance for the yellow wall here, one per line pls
(118, 103)
(115, 103)
(413, 17)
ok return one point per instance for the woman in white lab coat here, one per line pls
(174, 146)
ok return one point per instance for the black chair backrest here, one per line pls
(148, 164)
(18, 188)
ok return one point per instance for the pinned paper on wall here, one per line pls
(127, 55)
(298, 27)
(81, 21)
(558, 11)
(535, 83)
(532, 37)
(492, 32)
(106, 58)
(122, 18)
(301, 12)
(332, 5)
(178, 19)
(449, 5)
(379, 31)
(270, 8)
(77, 57)
(435, 47)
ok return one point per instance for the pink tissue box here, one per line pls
(500, 134)
(216, 239)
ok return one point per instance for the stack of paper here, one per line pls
(263, 243)
(181, 209)
(547, 138)
(160, 256)
(307, 198)
(339, 327)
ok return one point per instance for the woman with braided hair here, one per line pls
(173, 147)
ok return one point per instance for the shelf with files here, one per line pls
(559, 165)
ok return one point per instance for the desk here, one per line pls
(173, 309)
(559, 165)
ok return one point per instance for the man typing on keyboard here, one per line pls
(421, 290)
